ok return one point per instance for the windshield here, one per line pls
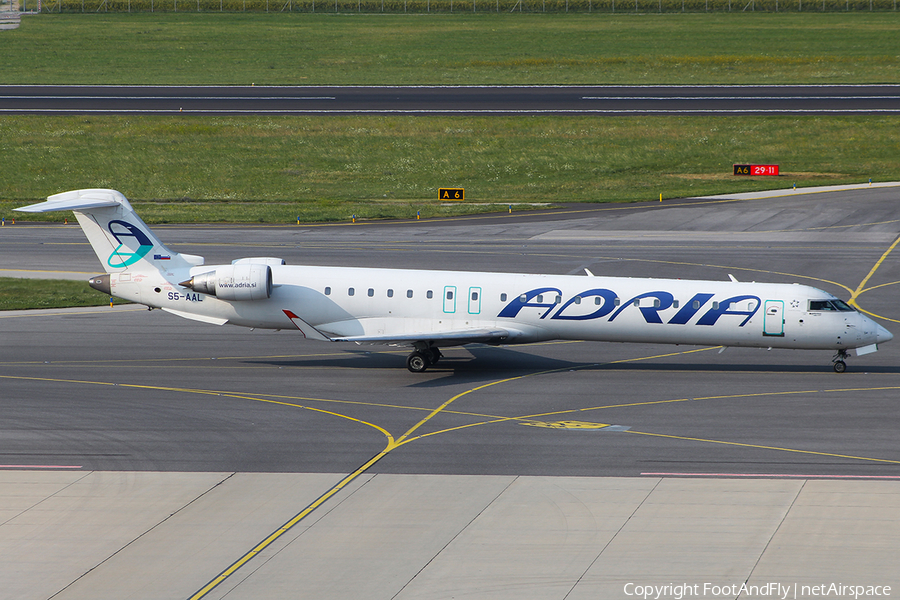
(834, 305)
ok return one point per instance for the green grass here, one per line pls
(273, 169)
(329, 49)
(24, 294)
(461, 6)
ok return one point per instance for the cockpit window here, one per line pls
(833, 305)
(820, 305)
(842, 306)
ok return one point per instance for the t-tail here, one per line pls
(122, 241)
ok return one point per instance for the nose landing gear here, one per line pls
(839, 365)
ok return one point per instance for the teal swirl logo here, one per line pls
(128, 236)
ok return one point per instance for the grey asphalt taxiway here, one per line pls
(594, 100)
(146, 456)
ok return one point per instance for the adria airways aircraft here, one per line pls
(429, 310)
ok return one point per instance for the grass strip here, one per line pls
(461, 48)
(27, 294)
(347, 7)
(276, 169)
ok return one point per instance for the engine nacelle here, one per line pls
(234, 282)
(260, 260)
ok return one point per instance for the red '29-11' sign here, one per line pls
(756, 169)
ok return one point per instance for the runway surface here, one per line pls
(427, 100)
(551, 470)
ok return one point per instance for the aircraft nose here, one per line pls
(882, 335)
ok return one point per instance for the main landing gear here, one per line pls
(423, 358)
(839, 365)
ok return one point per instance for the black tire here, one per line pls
(840, 366)
(433, 355)
(417, 362)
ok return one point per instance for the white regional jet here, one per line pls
(428, 310)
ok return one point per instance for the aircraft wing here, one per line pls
(435, 338)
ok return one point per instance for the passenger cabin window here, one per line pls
(557, 300)
(409, 293)
(371, 292)
(390, 293)
(696, 304)
(474, 295)
(715, 306)
(674, 303)
(328, 291)
(449, 294)
(429, 294)
(351, 291)
(577, 299)
(540, 298)
(502, 297)
(598, 300)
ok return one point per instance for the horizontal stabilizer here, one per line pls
(78, 200)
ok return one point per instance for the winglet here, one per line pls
(308, 331)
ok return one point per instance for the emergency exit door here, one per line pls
(773, 318)
(474, 300)
(450, 299)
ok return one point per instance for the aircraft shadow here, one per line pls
(486, 363)
(482, 364)
(745, 368)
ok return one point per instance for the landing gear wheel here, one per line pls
(839, 365)
(417, 362)
(433, 355)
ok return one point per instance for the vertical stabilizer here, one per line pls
(121, 240)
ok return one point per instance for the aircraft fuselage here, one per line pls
(354, 302)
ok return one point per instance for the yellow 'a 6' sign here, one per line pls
(451, 194)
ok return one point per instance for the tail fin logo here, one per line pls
(123, 255)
